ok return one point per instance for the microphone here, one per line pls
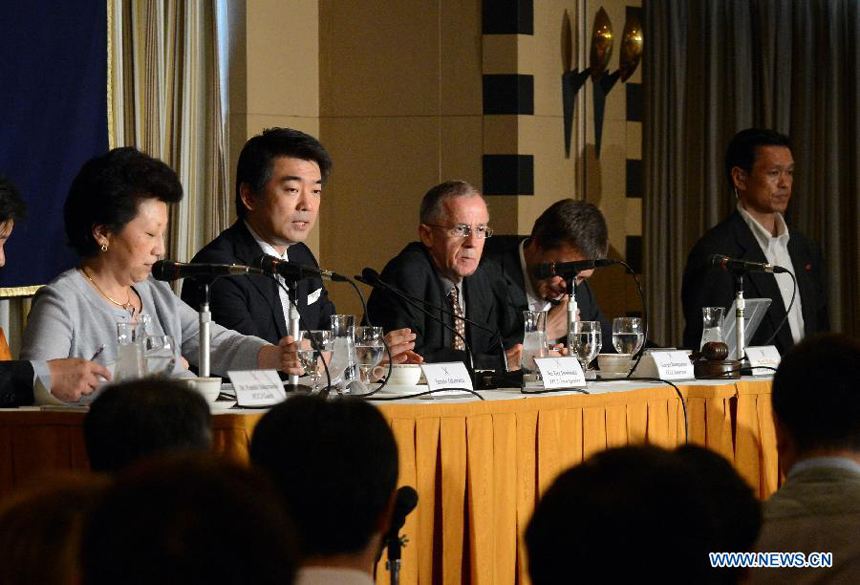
(293, 270)
(170, 270)
(568, 269)
(736, 265)
(404, 502)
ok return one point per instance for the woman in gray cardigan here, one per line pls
(116, 215)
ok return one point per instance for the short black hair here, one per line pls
(742, 152)
(431, 204)
(146, 417)
(645, 505)
(816, 395)
(189, 519)
(335, 463)
(255, 161)
(107, 192)
(578, 224)
(11, 205)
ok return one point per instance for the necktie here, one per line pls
(459, 325)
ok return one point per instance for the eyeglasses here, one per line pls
(461, 230)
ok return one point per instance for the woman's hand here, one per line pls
(283, 357)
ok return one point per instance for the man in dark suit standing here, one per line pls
(279, 181)
(67, 379)
(444, 270)
(568, 231)
(760, 170)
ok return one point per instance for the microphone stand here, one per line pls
(570, 282)
(205, 319)
(293, 327)
(739, 314)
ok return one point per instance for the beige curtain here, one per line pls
(165, 98)
(718, 66)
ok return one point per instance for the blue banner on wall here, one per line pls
(53, 118)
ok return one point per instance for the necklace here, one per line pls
(126, 305)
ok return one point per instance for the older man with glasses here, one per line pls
(444, 270)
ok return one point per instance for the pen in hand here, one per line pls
(98, 352)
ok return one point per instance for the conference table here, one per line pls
(479, 466)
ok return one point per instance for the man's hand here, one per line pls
(556, 320)
(401, 342)
(72, 378)
(283, 357)
(513, 357)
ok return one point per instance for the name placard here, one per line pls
(257, 387)
(765, 355)
(446, 375)
(561, 372)
(666, 365)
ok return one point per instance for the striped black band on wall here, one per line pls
(633, 253)
(508, 17)
(509, 94)
(509, 174)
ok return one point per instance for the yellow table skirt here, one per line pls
(479, 467)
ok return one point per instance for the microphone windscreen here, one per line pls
(545, 270)
(166, 270)
(370, 275)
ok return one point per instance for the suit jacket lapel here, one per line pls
(514, 272)
(247, 250)
(801, 264)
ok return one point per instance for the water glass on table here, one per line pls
(585, 339)
(160, 354)
(627, 335)
(130, 363)
(534, 343)
(314, 347)
(369, 348)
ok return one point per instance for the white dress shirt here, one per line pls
(775, 249)
(535, 304)
(282, 290)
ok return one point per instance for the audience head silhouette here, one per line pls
(631, 513)
(130, 421)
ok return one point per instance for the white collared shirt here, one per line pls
(282, 291)
(535, 304)
(775, 249)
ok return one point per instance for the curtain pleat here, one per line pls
(166, 92)
(718, 66)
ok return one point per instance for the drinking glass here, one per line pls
(160, 354)
(585, 339)
(310, 358)
(712, 325)
(534, 343)
(369, 348)
(343, 357)
(627, 334)
(130, 364)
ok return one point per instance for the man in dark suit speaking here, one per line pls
(67, 379)
(279, 182)
(760, 170)
(444, 270)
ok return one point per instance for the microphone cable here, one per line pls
(641, 351)
(680, 397)
(426, 393)
(366, 319)
(787, 311)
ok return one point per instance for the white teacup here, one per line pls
(405, 374)
(614, 364)
(209, 388)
